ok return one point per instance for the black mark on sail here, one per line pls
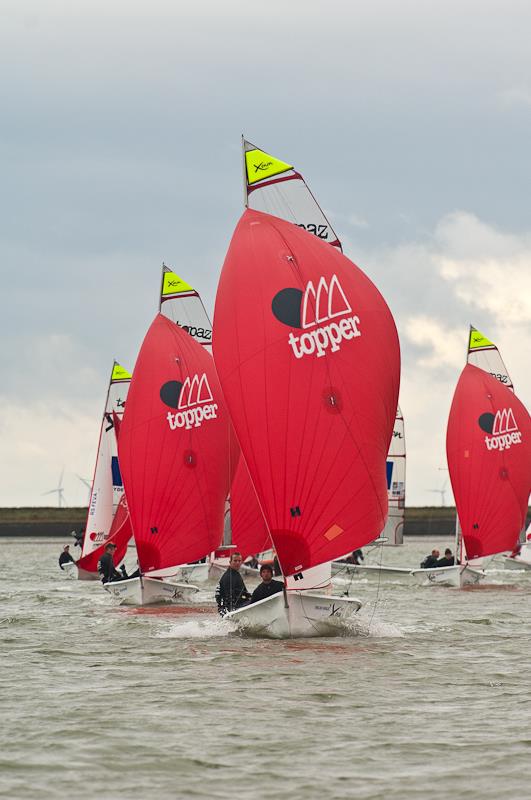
(170, 393)
(295, 511)
(486, 422)
(286, 306)
(154, 530)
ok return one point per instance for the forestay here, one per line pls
(174, 450)
(308, 323)
(488, 448)
(107, 486)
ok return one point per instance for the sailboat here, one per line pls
(174, 452)
(488, 447)
(276, 187)
(520, 557)
(296, 325)
(103, 523)
(483, 353)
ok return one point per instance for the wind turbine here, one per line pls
(441, 491)
(59, 491)
(87, 484)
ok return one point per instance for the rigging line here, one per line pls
(377, 590)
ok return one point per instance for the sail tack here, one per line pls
(308, 357)
(488, 448)
(174, 450)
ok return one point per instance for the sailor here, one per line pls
(356, 557)
(231, 592)
(268, 585)
(65, 556)
(448, 560)
(106, 566)
(431, 560)
(78, 535)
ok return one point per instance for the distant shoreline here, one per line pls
(60, 522)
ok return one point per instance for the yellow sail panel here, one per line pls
(120, 374)
(477, 340)
(172, 284)
(261, 165)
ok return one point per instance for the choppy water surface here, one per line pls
(429, 697)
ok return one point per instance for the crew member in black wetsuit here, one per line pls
(448, 560)
(106, 566)
(268, 585)
(231, 592)
(431, 560)
(65, 556)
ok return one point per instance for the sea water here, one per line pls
(428, 697)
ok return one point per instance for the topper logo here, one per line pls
(326, 303)
(312, 308)
(503, 429)
(195, 391)
(192, 401)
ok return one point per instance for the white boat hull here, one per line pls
(150, 591)
(191, 573)
(69, 570)
(297, 614)
(457, 576)
(83, 575)
(517, 563)
(340, 568)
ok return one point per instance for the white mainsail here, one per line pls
(275, 187)
(181, 303)
(484, 354)
(107, 487)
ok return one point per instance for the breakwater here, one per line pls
(60, 522)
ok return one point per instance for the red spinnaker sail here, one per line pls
(174, 450)
(488, 446)
(120, 533)
(249, 529)
(308, 357)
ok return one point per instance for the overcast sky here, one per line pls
(120, 149)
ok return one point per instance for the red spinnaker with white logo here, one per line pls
(488, 447)
(308, 357)
(174, 450)
(249, 530)
(120, 533)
